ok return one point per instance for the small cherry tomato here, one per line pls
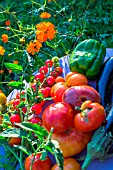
(15, 103)
(39, 76)
(50, 80)
(43, 70)
(59, 70)
(54, 73)
(91, 117)
(22, 95)
(15, 118)
(44, 92)
(36, 120)
(49, 63)
(36, 108)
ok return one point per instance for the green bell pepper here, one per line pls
(87, 58)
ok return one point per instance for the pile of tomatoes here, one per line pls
(75, 112)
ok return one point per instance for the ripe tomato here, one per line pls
(76, 80)
(36, 120)
(57, 91)
(72, 142)
(49, 63)
(22, 95)
(34, 163)
(36, 108)
(59, 79)
(15, 118)
(76, 95)
(3, 98)
(59, 70)
(40, 77)
(91, 117)
(54, 74)
(59, 116)
(43, 70)
(69, 164)
(69, 75)
(14, 141)
(50, 80)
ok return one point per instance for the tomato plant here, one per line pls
(59, 116)
(36, 108)
(69, 164)
(15, 118)
(49, 63)
(43, 69)
(91, 116)
(35, 163)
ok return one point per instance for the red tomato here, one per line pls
(34, 163)
(39, 76)
(36, 120)
(54, 74)
(69, 164)
(59, 116)
(43, 70)
(49, 63)
(50, 80)
(59, 70)
(72, 142)
(91, 117)
(36, 108)
(15, 118)
(22, 95)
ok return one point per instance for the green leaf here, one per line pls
(14, 67)
(21, 104)
(16, 84)
(14, 132)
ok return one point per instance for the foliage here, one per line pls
(74, 21)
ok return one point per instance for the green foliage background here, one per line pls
(74, 20)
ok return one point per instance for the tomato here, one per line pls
(1, 118)
(59, 79)
(57, 91)
(22, 95)
(50, 80)
(69, 164)
(54, 74)
(76, 80)
(44, 91)
(49, 63)
(34, 163)
(15, 118)
(36, 120)
(69, 75)
(59, 116)
(72, 142)
(3, 98)
(76, 95)
(59, 70)
(43, 70)
(14, 141)
(91, 117)
(36, 108)
(40, 77)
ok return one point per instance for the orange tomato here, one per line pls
(55, 86)
(59, 79)
(3, 98)
(14, 141)
(76, 80)
(69, 164)
(69, 75)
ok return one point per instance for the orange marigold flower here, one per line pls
(45, 31)
(8, 22)
(2, 51)
(33, 47)
(4, 38)
(15, 62)
(1, 71)
(45, 15)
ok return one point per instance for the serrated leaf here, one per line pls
(14, 67)
(14, 132)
